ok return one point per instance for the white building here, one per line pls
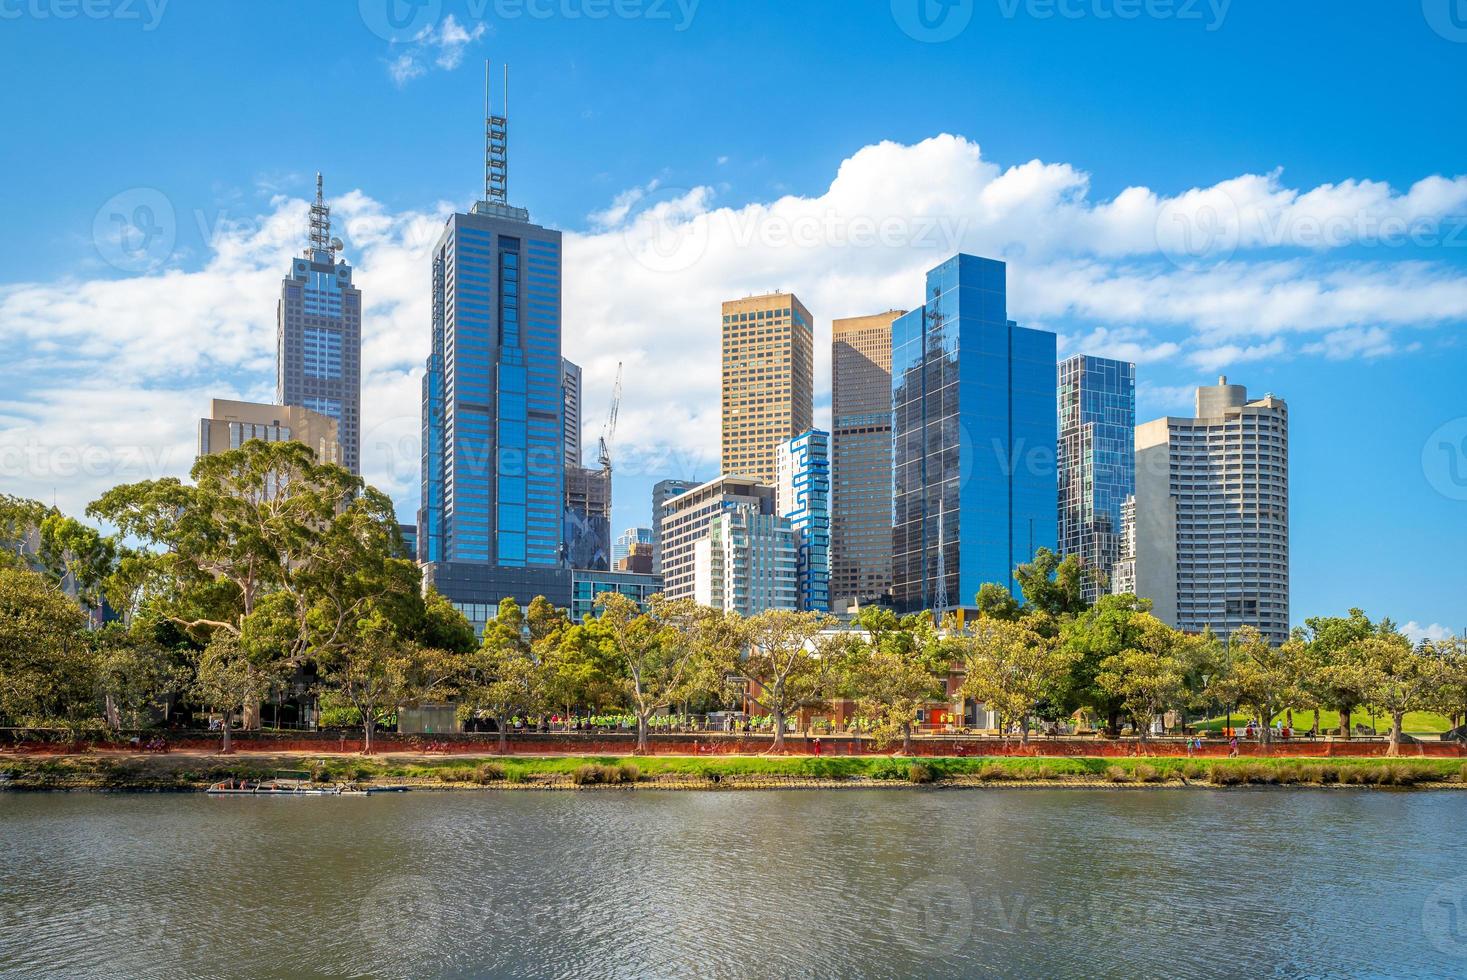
(687, 517)
(1211, 515)
(746, 563)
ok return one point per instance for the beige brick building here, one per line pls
(231, 424)
(768, 380)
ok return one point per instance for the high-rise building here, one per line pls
(1096, 462)
(587, 584)
(662, 492)
(493, 497)
(746, 563)
(802, 495)
(688, 516)
(588, 518)
(624, 541)
(860, 521)
(1123, 572)
(1212, 514)
(318, 335)
(231, 424)
(637, 559)
(973, 436)
(768, 380)
(570, 387)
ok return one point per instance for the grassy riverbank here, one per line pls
(182, 773)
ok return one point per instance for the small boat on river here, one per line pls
(284, 783)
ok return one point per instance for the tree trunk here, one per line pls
(499, 724)
(251, 720)
(778, 746)
(1024, 731)
(1113, 724)
(906, 738)
(228, 744)
(114, 717)
(1344, 729)
(1398, 718)
(641, 734)
(368, 723)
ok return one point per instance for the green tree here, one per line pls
(45, 670)
(1052, 584)
(1148, 677)
(1334, 676)
(1113, 624)
(226, 679)
(378, 673)
(135, 673)
(505, 680)
(894, 674)
(1451, 697)
(1261, 677)
(995, 601)
(784, 664)
(1398, 679)
(1011, 668)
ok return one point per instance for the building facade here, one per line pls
(688, 518)
(768, 380)
(588, 517)
(1096, 462)
(802, 494)
(318, 335)
(747, 562)
(973, 436)
(570, 388)
(586, 585)
(1211, 524)
(231, 424)
(860, 521)
(662, 492)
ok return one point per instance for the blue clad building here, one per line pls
(973, 439)
(1096, 463)
(493, 412)
(802, 467)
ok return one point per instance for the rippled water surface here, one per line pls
(847, 883)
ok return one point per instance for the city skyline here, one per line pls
(1183, 331)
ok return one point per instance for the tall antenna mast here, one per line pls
(320, 233)
(496, 145)
(941, 601)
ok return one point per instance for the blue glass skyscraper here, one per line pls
(802, 467)
(1096, 462)
(973, 439)
(493, 422)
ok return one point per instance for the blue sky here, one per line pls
(1311, 130)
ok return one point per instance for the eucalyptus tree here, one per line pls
(900, 667)
(785, 667)
(1011, 667)
(503, 678)
(1148, 676)
(45, 667)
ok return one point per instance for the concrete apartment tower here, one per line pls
(1096, 462)
(860, 521)
(662, 493)
(493, 473)
(1211, 527)
(746, 563)
(973, 436)
(768, 381)
(318, 335)
(686, 520)
(570, 389)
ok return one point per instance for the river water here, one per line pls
(1053, 883)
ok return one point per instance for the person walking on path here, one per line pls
(1233, 748)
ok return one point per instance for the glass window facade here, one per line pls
(973, 439)
(1096, 461)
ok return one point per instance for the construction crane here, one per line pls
(608, 431)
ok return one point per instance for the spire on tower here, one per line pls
(320, 239)
(496, 145)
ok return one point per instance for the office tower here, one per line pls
(624, 541)
(860, 521)
(1212, 514)
(570, 387)
(746, 563)
(231, 424)
(802, 496)
(662, 492)
(318, 335)
(768, 380)
(1123, 572)
(688, 516)
(1096, 462)
(973, 436)
(493, 497)
(409, 535)
(588, 518)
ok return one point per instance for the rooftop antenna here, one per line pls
(496, 145)
(320, 234)
(941, 603)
